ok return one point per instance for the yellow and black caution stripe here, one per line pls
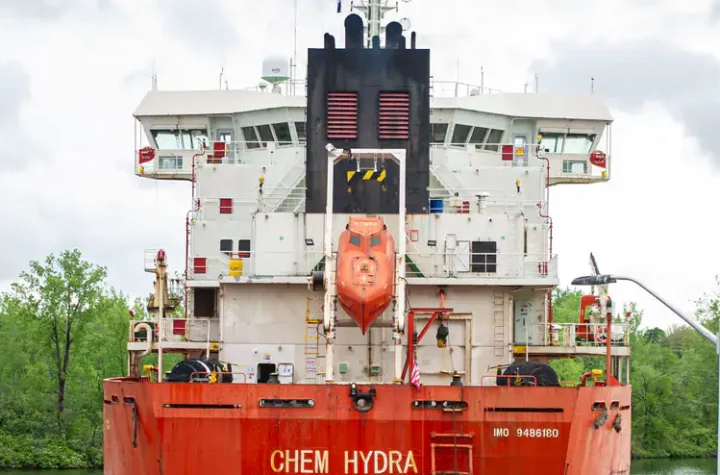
(368, 175)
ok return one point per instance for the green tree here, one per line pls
(62, 294)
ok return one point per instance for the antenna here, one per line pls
(222, 70)
(536, 84)
(153, 77)
(293, 65)
(374, 11)
(592, 85)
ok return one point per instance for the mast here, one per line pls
(374, 11)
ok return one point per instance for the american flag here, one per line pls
(415, 375)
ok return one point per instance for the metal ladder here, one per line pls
(499, 324)
(313, 318)
(447, 453)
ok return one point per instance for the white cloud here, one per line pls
(89, 64)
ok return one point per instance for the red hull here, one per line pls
(503, 430)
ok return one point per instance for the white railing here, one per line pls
(179, 162)
(298, 87)
(572, 335)
(465, 264)
(475, 200)
(175, 330)
(457, 265)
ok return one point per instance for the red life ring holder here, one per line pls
(598, 337)
(146, 154)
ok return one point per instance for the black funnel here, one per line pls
(353, 32)
(393, 32)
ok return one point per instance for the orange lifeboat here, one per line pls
(365, 270)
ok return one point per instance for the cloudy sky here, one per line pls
(73, 71)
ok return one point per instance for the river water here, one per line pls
(639, 467)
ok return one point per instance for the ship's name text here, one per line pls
(526, 433)
(355, 461)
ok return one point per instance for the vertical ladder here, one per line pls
(454, 456)
(313, 318)
(499, 324)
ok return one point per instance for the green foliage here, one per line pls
(674, 379)
(62, 332)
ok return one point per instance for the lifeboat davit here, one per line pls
(365, 270)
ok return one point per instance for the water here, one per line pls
(674, 467)
(639, 467)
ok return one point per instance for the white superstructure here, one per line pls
(486, 238)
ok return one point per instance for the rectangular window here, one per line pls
(493, 140)
(226, 245)
(438, 133)
(199, 265)
(484, 257)
(251, 139)
(282, 132)
(460, 134)
(478, 136)
(265, 135)
(226, 205)
(300, 128)
(394, 115)
(342, 114)
(244, 248)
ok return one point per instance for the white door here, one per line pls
(524, 317)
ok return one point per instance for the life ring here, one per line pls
(598, 337)
(146, 154)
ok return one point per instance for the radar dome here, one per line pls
(275, 69)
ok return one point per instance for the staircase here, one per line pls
(313, 318)
(446, 178)
(271, 200)
(499, 351)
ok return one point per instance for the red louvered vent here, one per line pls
(394, 120)
(199, 265)
(342, 115)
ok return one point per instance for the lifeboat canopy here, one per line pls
(365, 270)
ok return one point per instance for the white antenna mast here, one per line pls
(374, 11)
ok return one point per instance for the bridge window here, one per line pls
(251, 139)
(355, 240)
(460, 134)
(438, 133)
(493, 140)
(478, 136)
(553, 142)
(300, 128)
(578, 143)
(376, 240)
(282, 133)
(266, 135)
(198, 137)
